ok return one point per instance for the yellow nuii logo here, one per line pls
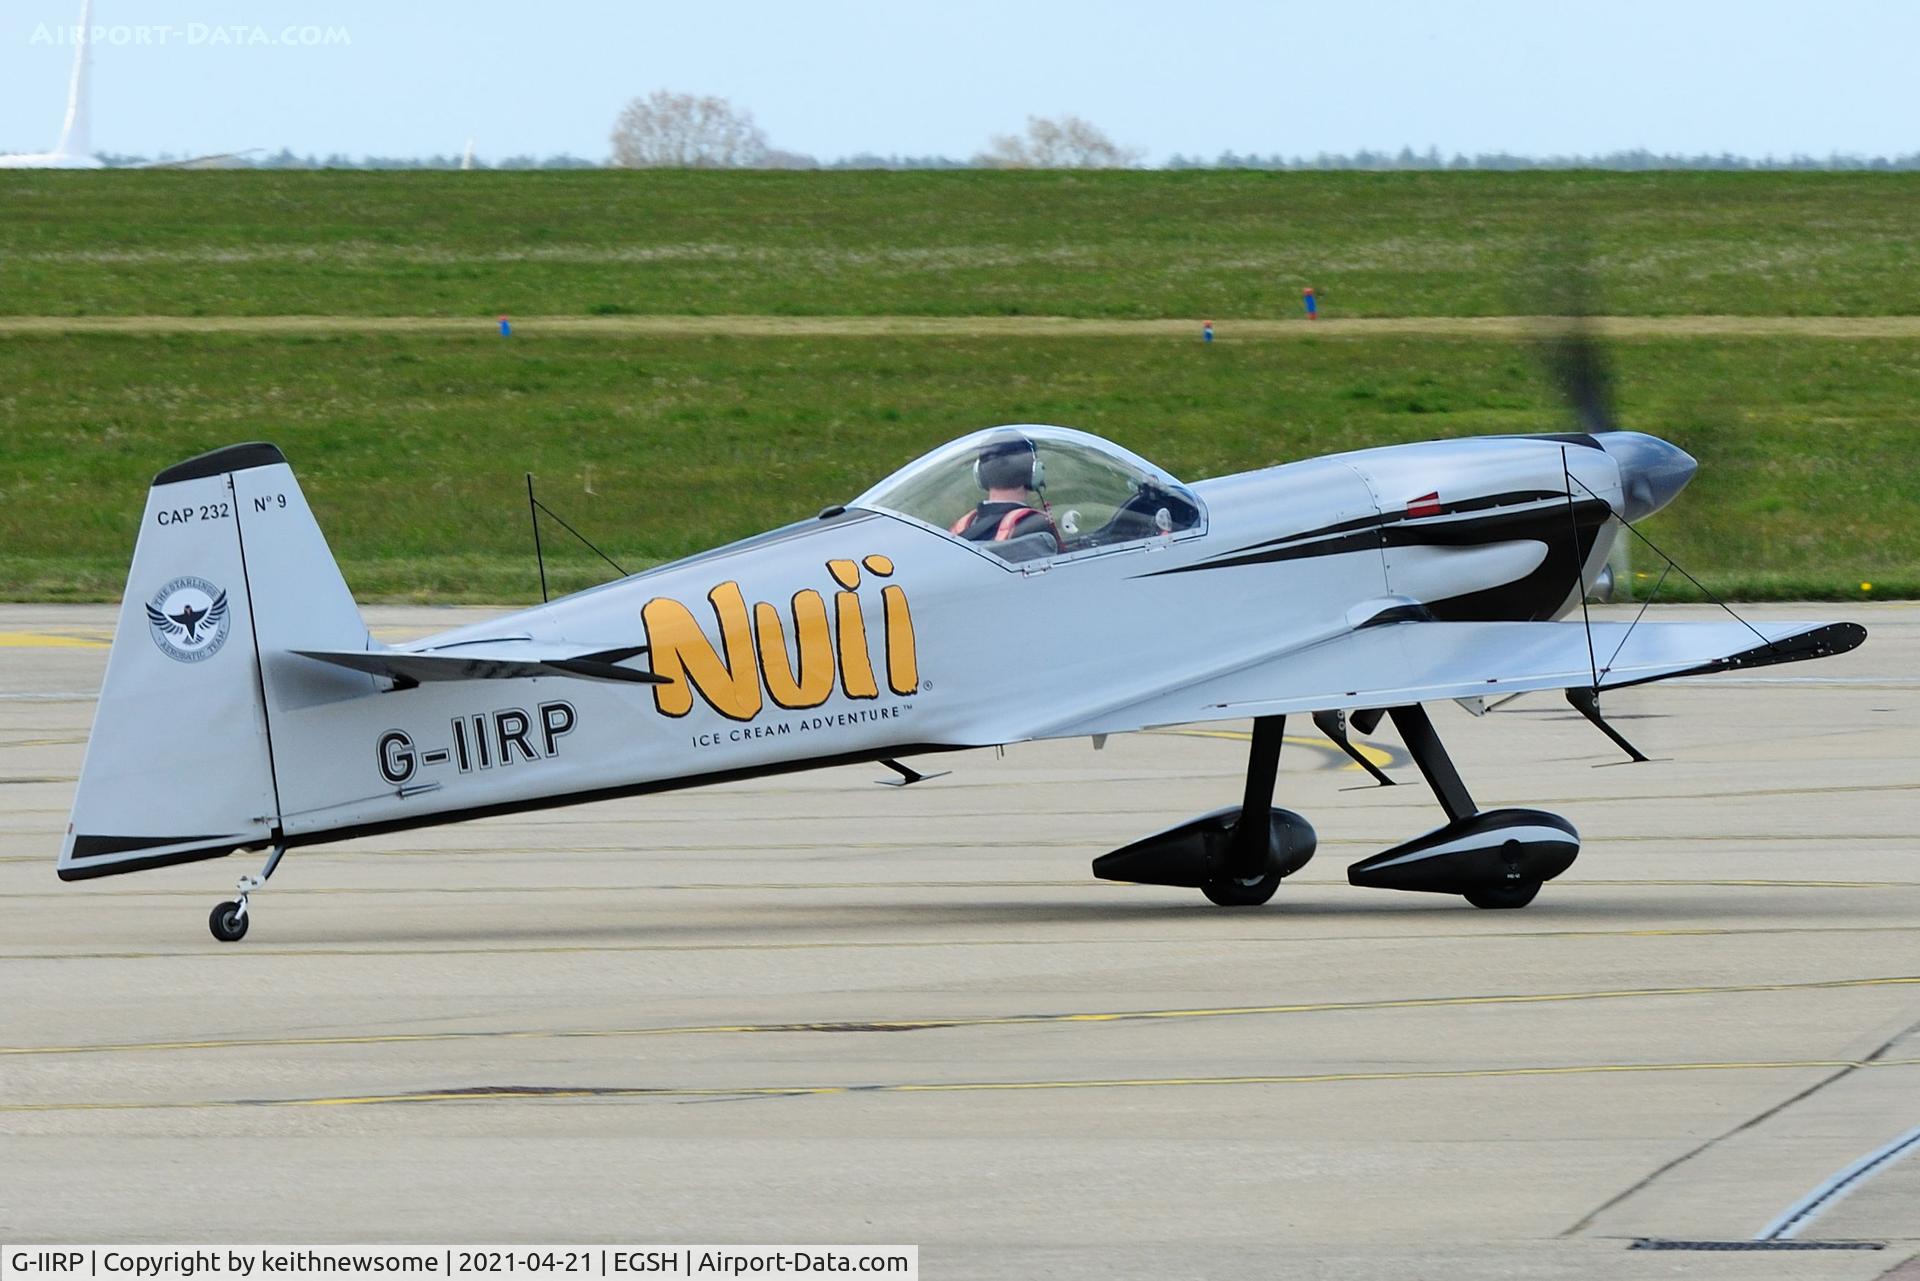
(753, 650)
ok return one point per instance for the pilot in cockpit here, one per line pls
(1008, 469)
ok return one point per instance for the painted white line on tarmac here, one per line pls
(1809, 1207)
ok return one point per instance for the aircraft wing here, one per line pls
(490, 661)
(1416, 662)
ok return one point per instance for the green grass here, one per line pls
(1146, 244)
(411, 447)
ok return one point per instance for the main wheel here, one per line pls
(228, 923)
(1233, 891)
(1512, 894)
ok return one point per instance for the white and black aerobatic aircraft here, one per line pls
(909, 621)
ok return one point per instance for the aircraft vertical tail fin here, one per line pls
(230, 571)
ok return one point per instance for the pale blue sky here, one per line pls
(833, 77)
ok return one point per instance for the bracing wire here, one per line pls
(1658, 584)
(1706, 591)
(1579, 566)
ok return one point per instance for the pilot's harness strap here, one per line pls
(1004, 530)
(1007, 522)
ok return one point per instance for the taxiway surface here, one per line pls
(811, 1009)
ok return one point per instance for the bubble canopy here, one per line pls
(1082, 494)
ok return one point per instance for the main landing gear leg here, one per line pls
(1252, 872)
(1417, 732)
(229, 920)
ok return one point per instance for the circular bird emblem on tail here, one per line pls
(189, 619)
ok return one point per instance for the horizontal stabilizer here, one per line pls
(502, 660)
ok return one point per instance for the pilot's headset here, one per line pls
(1008, 461)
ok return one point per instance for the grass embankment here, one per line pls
(1194, 244)
(412, 446)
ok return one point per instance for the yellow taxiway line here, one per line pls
(967, 1021)
(545, 1094)
(48, 640)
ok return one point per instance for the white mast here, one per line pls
(76, 132)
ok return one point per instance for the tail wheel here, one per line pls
(228, 922)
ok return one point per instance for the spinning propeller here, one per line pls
(1574, 357)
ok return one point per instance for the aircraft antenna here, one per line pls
(533, 514)
(534, 508)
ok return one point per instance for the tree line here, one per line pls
(670, 130)
(1626, 161)
(1371, 161)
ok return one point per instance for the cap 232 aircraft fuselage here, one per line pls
(1095, 595)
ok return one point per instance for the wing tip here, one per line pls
(1822, 640)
